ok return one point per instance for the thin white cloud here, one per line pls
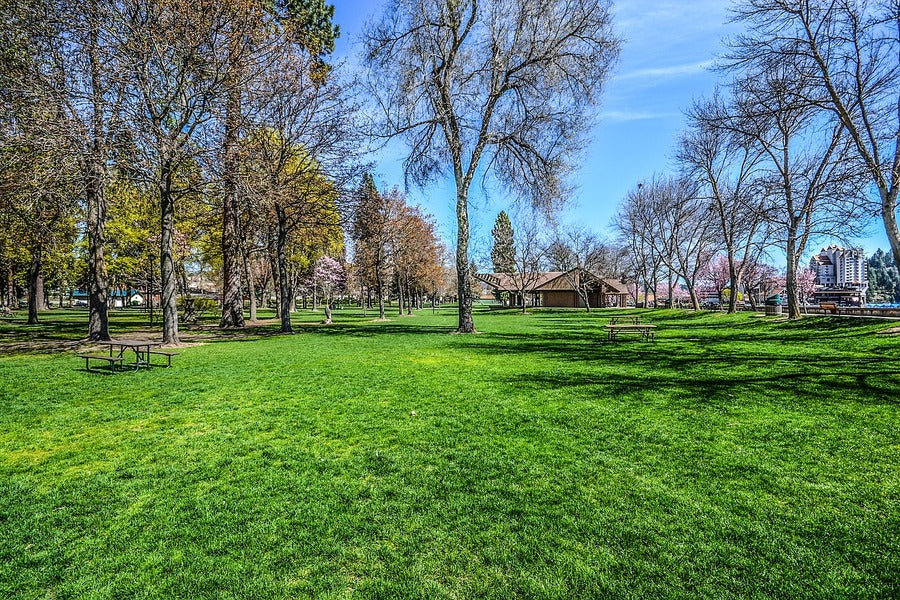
(670, 71)
(622, 116)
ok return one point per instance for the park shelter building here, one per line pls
(558, 288)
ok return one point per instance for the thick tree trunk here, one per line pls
(95, 189)
(889, 212)
(35, 286)
(692, 292)
(168, 275)
(284, 288)
(98, 279)
(232, 295)
(464, 290)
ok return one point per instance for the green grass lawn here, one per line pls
(735, 456)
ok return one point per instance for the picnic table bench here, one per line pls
(645, 330)
(112, 360)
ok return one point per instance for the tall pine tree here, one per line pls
(503, 254)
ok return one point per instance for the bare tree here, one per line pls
(300, 156)
(688, 230)
(666, 223)
(584, 258)
(724, 163)
(504, 87)
(852, 48)
(529, 248)
(810, 182)
(634, 223)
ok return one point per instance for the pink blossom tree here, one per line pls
(806, 284)
(717, 276)
(330, 277)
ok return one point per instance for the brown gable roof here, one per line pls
(507, 283)
(549, 281)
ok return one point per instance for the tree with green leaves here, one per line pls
(63, 55)
(256, 31)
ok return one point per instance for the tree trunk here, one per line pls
(889, 212)
(251, 286)
(98, 279)
(466, 324)
(167, 271)
(409, 297)
(284, 291)
(793, 292)
(10, 286)
(276, 272)
(692, 292)
(327, 306)
(232, 294)
(379, 279)
(95, 193)
(733, 277)
(35, 287)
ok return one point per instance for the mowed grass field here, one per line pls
(735, 456)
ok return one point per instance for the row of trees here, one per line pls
(231, 106)
(395, 244)
(224, 110)
(804, 129)
(683, 268)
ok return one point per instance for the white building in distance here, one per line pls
(841, 269)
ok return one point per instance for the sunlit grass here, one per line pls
(734, 456)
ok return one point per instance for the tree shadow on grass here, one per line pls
(706, 380)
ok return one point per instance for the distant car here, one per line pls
(23, 303)
(79, 303)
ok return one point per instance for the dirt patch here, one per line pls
(29, 343)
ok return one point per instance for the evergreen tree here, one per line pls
(503, 254)
(884, 278)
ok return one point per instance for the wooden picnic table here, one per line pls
(645, 330)
(143, 350)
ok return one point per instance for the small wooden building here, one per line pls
(559, 288)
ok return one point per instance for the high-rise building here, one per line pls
(842, 268)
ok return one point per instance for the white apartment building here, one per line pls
(837, 267)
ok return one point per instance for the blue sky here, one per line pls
(667, 50)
